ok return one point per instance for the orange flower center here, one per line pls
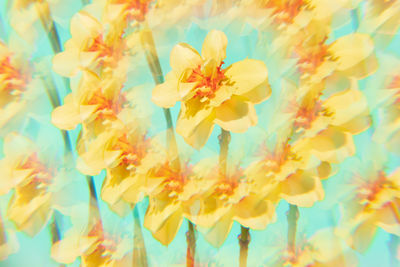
(369, 191)
(109, 55)
(107, 108)
(207, 85)
(395, 84)
(285, 10)
(311, 56)
(40, 173)
(279, 157)
(132, 153)
(175, 180)
(134, 9)
(12, 79)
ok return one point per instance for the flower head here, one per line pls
(210, 94)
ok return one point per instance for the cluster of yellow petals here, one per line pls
(208, 93)
(30, 180)
(375, 205)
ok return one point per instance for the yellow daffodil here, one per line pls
(324, 248)
(210, 94)
(90, 47)
(128, 155)
(127, 10)
(172, 198)
(94, 101)
(30, 206)
(228, 198)
(94, 246)
(388, 130)
(17, 86)
(375, 204)
(381, 20)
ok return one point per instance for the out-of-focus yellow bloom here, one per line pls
(291, 173)
(322, 249)
(31, 204)
(348, 56)
(90, 47)
(176, 190)
(94, 246)
(388, 130)
(381, 20)
(330, 124)
(16, 84)
(375, 204)
(94, 101)
(209, 94)
(128, 155)
(127, 10)
(228, 198)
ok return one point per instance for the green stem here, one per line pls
(54, 97)
(292, 217)
(49, 26)
(139, 249)
(153, 61)
(244, 240)
(224, 139)
(191, 245)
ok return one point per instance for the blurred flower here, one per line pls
(209, 94)
(94, 102)
(91, 47)
(177, 188)
(94, 246)
(228, 198)
(33, 182)
(322, 249)
(17, 86)
(375, 203)
(128, 156)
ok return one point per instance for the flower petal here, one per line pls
(261, 213)
(332, 145)
(67, 116)
(195, 123)
(355, 55)
(217, 234)
(183, 57)
(302, 189)
(214, 47)
(249, 75)
(166, 94)
(236, 115)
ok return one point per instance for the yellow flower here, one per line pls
(90, 47)
(210, 94)
(94, 246)
(324, 248)
(171, 199)
(388, 130)
(375, 204)
(291, 173)
(128, 155)
(228, 198)
(94, 101)
(30, 205)
(127, 10)
(17, 86)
